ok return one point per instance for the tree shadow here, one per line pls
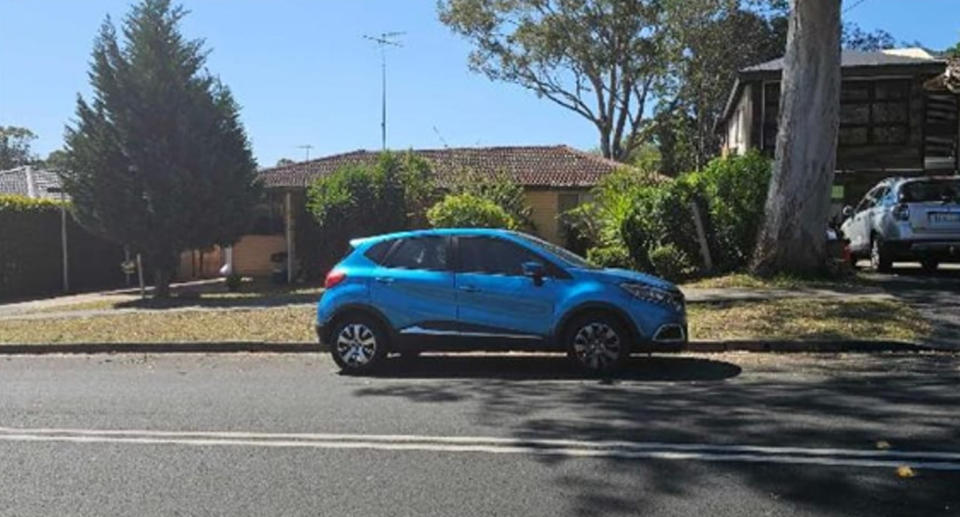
(908, 400)
(220, 302)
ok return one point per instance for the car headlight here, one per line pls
(672, 299)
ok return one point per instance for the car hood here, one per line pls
(612, 275)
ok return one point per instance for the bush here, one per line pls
(361, 200)
(611, 256)
(469, 211)
(735, 188)
(500, 189)
(233, 282)
(661, 215)
(671, 263)
(598, 224)
(30, 253)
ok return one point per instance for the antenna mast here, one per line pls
(384, 40)
(306, 148)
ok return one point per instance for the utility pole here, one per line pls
(64, 259)
(306, 148)
(384, 40)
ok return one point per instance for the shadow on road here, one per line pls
(909, 401)
(536, 368)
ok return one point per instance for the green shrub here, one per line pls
(233, 282)
(610, 256)
(499, 188)
(662, 215)
(735, 188)
(598, 224)
(30, 252)
(671, 263)
(362, 200)
(469, 211)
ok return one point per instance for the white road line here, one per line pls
(934, 460)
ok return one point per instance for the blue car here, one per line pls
(492, 290)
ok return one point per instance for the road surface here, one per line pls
(248, 434)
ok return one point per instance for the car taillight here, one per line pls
(334, 277)
(901, 212)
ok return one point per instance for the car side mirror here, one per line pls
(534, 270)
(847, 212)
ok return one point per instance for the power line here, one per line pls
(858, 2)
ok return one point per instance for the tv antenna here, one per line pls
(306, 148)
(384, 40)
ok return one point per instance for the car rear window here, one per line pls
(378, 251)
(930, 190)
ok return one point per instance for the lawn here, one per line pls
(774, 320)
(747, 281)
(802, 318)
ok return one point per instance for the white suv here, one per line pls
(910, 219)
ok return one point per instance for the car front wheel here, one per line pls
(359, 345)
(598, 343)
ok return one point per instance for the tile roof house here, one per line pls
(555, 179)
(894, 120)
(30, 182)
(531, 166)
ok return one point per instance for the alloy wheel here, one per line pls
(597, 345)
(356, 345)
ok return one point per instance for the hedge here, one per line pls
(30, 252)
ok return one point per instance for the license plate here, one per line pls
(944, 217)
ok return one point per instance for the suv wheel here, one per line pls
(597, 343)
(359, 345)
(879, 255)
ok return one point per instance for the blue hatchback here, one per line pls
(482, 289)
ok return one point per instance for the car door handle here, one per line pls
(468, 288)
(384, 279)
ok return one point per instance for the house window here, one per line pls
(874, 112)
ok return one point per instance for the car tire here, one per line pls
(358, 344)
(880, 255)
(930, 265)
(597, 343)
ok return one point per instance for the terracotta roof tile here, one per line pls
(531, 166)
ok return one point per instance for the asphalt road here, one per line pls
(731, 434)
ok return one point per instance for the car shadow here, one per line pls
(553, 367)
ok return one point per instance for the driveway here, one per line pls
(935, 295)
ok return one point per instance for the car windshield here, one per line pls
(566, 256)
(930, 190)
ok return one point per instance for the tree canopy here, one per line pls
(15, 146)
(157, 158)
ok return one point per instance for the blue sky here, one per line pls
(304, 74)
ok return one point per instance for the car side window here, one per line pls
(494, 256)
(429, 253)
(378, 251)
(868, 201)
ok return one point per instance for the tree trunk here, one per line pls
(161, 283)
(793, 236)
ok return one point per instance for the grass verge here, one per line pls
(747, 281)
(785, 319)
(813, 319)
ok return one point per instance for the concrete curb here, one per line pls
(849, 346)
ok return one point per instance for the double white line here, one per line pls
(933, 460)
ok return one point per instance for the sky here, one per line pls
(304, 75)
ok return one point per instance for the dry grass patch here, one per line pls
(815, 319)
(747, 281)
(286, 324)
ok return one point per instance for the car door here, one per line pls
(858, 229)
(496, 302)
(413, 287)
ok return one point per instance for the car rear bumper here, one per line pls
(944, 248)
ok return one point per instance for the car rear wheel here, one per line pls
(879, 256)
(359, 345)
(597, 343)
